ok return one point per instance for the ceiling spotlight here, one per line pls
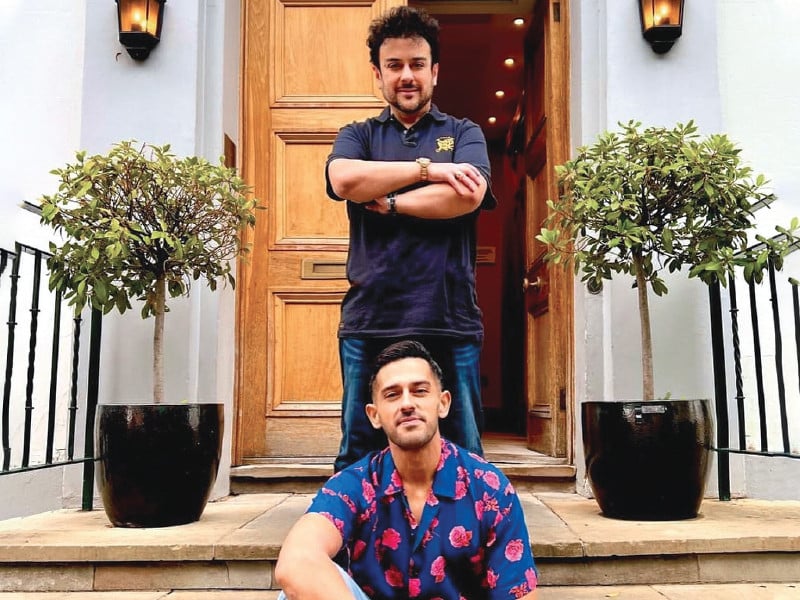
(500, 93)
(492, 120)
(519, 22)
(509, 62)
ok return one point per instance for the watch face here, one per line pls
(424, 161)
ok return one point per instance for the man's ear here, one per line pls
(377, 73)
(435, 74)
(372, 415)
(444, 404)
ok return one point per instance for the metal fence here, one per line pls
(755, 333)
(57, 377)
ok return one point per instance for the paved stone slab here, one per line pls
(735, 526)
(744, 591)
(263, 536)
(36, 577)
(85, 595)
(550, 536)
(77, 536)
(188, 576)
(625, 592)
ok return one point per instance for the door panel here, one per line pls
(302, 213)
(550, 326)
(306, 74)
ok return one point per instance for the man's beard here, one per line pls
(424, 99)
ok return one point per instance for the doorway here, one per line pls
(494, 70)
(288, 293)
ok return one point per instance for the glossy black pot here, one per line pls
(648, 460)
(158, 462)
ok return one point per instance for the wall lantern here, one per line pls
(662, 22)
(139, 25)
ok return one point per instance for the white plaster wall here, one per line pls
(41, 61)
(760, 90)
(73, 86)
(41, 65)
(175, 97)
(732, 71)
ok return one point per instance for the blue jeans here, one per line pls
(354, 588)
(460, 363)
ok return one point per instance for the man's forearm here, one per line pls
(364, 180)
(438, 201)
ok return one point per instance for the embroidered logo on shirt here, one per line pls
(445, 144)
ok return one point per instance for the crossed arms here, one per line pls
(454, 189)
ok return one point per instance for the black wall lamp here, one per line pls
(662, 22)
(139, 24)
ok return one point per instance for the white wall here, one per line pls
(69, 85)
(732, 71)
(760, 88)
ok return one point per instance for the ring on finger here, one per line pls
(459, 174)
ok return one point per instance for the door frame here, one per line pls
(251, 325)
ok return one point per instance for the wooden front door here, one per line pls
(548, 289)
(305, 75)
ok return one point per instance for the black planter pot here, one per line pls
(648, 460)
(158, 462)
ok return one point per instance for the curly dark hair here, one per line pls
(399, 351)
(403, 22)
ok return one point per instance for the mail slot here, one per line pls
(320, 268)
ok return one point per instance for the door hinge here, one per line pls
(557, 12)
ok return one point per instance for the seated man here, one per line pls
(421, 518)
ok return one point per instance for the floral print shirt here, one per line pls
(471, 541)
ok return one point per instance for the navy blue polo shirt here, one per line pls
(412, 276)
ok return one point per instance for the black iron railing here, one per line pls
(41, 382)
(760, 387)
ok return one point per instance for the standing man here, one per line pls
(422, 518)
(414, 179)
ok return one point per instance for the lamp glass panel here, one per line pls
(657, 13)
(139, 15)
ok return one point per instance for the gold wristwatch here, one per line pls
(423, 167)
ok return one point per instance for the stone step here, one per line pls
(234, 546)
(281, 476)
(527, 469)
(728, 591)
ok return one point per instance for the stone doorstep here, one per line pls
(235, 542)
(748, 591)
(284, 476)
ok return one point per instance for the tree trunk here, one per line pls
(158, 340)
(647, 340)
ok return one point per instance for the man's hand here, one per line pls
(463, 177)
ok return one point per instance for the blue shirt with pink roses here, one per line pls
(471, 541)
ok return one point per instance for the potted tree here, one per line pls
(638, 202)
(140, 224)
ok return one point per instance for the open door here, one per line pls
(548, 290)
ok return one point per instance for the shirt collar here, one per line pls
(434, 113)
(444, 480)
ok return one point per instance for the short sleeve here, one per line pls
(471, 148)
(351, 142)
(511, 572)
(339, 500)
